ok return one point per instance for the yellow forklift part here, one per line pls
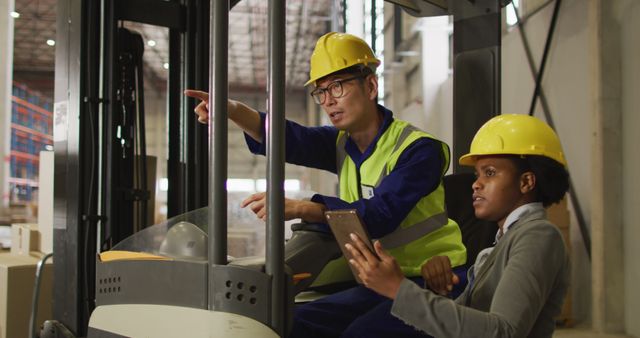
(117, 255)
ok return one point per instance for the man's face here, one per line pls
(498, 190)
(351, 110)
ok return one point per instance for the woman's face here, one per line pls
(499, 188)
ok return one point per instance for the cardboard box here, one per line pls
(45, 201)
(17, 278)
(558, 214)
(5, 237)
(24, 238)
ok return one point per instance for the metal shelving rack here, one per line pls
(31, 132)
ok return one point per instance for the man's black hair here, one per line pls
(552, 179)
(355, 70)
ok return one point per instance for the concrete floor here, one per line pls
(584, 333)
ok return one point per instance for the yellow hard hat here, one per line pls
(337, 51)
(515, 134)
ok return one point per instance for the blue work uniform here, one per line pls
(418, 172)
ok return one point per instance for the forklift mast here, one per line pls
(99, 133)
(96, 129)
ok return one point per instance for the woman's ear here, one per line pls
(527, 182)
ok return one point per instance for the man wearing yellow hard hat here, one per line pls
(388, 170)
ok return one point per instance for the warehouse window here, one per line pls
(511, 9)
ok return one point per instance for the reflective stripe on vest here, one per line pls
(404, 236)
(403, 136)
(341, 153)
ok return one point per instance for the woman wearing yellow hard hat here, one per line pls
(389, 171)
(517, 287)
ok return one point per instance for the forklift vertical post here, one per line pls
(275, 164)
(219, 89)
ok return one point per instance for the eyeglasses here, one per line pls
(334, 89)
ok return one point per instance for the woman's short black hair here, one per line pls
(552, 179)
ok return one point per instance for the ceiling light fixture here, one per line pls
(166, 65)
(151, 43)
(14, 14)
(51, 42)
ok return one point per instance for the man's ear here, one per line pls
(372, 86)
(527, 182)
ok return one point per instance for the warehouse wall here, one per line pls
(567, 86)
(578, 103)
(628, 12)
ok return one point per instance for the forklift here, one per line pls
(182, 280)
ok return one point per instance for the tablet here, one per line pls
(343, 223)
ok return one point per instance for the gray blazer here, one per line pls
(517, 292)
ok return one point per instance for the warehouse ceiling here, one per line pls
(35, 25)
(306, 21)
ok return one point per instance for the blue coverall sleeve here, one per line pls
(313, 147)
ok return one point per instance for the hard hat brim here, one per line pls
(374, 63)
(468, 160)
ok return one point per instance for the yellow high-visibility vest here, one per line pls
(426, 231)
